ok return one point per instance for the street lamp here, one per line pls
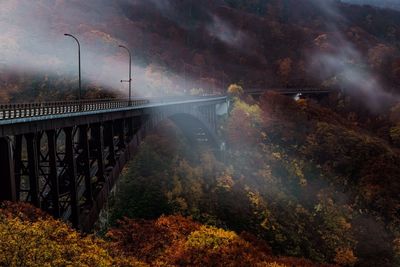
(130, 73)
(79, 60)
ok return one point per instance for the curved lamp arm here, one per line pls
(79, 60)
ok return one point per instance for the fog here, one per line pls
(391, 4)
(337, 61)
(227, 34)
(32, 41)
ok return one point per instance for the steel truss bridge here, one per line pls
(65, 157)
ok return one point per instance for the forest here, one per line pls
(311, 179)
(305, 181)
(210, 44)
(301, 184)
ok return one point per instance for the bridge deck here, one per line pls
(24, 118)
(28, 112)
(31, 112)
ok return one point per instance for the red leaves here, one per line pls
(147, 240)
(22, 210)
(177, 241)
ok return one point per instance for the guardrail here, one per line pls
(40, 109)
(28, 110)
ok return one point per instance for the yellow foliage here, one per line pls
(197, 91)
(235, 90)
(395, 134)
(254, 198)
(342, 222)
(252, 111)
(51, 243)
(244, 124)
(225, 181)
(298, 172)
(345, 257)
(277, 155)
(210, 238)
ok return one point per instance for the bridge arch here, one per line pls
(195, 126)
(77, 150)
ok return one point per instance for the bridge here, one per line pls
(65, 157)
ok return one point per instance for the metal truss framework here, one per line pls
(69, 171)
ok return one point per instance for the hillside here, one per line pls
(30, 238)
(299, 180)
(313, 180)
(183, 45)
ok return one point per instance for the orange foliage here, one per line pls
(23, 211)
(178, 241)
(345, 257)
(147, 239)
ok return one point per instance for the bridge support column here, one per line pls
(98, 150)
(120, 128)
(33, 166)
(85, 162)
(130, 133)
(109, 142)
(72, 175)
(143, 128)
(213, 118)
(7, 178)
(53, 175)
(18, 163)
(137, 124)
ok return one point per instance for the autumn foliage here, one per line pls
(176, 241)
(264, 43)
(30, 238)
(301, 184)
(304, 177)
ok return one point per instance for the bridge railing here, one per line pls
(28, 110)
(40, 109)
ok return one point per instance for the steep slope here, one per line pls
(182, 45)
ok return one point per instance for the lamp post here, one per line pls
(79, 60)
(130, 73)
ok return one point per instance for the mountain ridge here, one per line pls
(182, 45)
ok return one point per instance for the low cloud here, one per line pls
(227, 33)
(233, 37)
(391, 4)
(32, 41)
(339, 63)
